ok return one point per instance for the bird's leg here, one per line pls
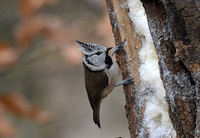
(125, 82)
(116, 49)
(119, 47)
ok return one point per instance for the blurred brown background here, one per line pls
(42, 92)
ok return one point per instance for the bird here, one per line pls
(100, 73)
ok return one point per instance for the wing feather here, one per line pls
(95, 83)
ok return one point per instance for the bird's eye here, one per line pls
(98, 53)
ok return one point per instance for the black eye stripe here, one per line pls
(98, 53)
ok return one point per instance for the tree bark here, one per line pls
(122, 29)
(175, 29)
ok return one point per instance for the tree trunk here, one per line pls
(175, 29)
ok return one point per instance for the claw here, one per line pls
(119, 47)
(125, 82)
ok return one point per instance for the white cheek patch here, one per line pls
(97, 65)
(96, 60)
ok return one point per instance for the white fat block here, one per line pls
(156, 117)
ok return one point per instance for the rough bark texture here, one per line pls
(128, 62)
(175, 28)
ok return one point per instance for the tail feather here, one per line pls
(96, 113)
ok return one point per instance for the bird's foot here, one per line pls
(125, 82)
(119, 47)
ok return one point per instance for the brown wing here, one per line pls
(95, 82)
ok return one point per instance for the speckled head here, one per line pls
(94, 55)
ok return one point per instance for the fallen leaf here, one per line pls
(19, 105)
(8, 55)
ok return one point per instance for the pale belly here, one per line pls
(113, 74)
